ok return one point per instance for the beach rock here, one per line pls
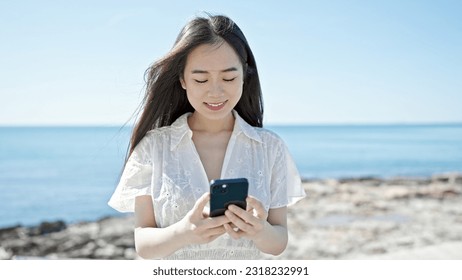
(450, 178)
(398, 192)
(4, 255)
(108, 238)
(48, 227)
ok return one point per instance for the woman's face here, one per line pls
(213, 80)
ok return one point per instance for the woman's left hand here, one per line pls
(248, 223)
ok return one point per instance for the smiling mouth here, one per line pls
(215, 106)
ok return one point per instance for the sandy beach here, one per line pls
(359, 218)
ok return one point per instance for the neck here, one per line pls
(198, 123)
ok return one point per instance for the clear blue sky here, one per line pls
(82, 62)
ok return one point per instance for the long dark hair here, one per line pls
(165, 100)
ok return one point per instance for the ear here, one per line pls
(183, 84)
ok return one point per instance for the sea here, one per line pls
(69, 173)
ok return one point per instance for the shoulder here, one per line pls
(159, 132)
(180, 125)
(268, 136)
(269, 139)
(170, 136)
(259, 134)
(155, 135)
(158, 135)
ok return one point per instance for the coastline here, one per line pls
(351, 218)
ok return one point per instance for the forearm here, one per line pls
(156, 243)
(272, 240)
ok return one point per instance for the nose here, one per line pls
(215, 89)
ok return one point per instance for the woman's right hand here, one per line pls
(152, 242)
(197, 227)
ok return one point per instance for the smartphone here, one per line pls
(224, 192)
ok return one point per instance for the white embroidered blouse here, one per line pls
(166, 165)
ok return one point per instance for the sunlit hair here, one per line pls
(165, 100)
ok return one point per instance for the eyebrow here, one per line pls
(230, 69)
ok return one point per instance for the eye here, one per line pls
(229, 80)
(201, 81)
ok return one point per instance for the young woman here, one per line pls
(202, 120)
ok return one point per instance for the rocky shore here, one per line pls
(361, 218)
(369, 218)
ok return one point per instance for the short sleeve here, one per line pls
(135, 180)
(286, 185)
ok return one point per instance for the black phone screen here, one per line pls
(225, 192)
